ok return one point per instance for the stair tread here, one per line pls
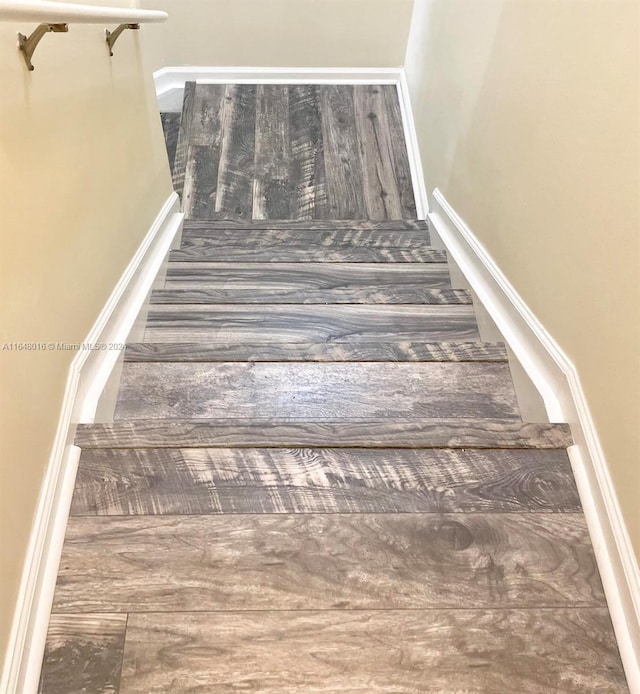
(326, 351)
(327, 480)
(314, 224)
(269, 323)
(272, 294)
(323, 433)
(312, 254)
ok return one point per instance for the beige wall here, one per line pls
(527, 115)
(281, 33)
(83, 173)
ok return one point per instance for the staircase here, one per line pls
(318, 480)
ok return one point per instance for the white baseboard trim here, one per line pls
(168, 78)
(88, 374)
(557, 379)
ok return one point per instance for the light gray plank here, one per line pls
(232, 323)
(83, 654)
(182, 147)
(313, 390)
(235, 480)
(345, 185)
(271, 188)
(327, 351)
(369, 433)
(564, 651)
(326, 561)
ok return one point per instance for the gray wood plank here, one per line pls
(375, 144)
(311, 254)
(347, 295)
(352, 390)
(298, 277)
(366, 433)
(236, 480)
(271, 189)
(410, 224)
(326, 351)
(345, 184)
(234, 197)
(201, 178)
(564, 651)
(83, 654)
(326, 561)
(182, 146)
(306, 155)
(399, 152)
(230, 323)
(170, 127)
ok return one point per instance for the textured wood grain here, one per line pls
(234, 197)
(316, 390)
(347, 295)
(201, 178)
(171, 127)
(399, 652)
(375, 144)
(410, 224)
(271, 189)
(311, 254)
(204, 481)
(184, 135)
(370, 433)
(327, 351)
(83, 654)
(326, 561)
(302, 277)
(231, 323)
(399, 152)
(306, 150)
(345, 184)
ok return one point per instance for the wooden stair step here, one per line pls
(290, 278)
(321, 352)
(312, 254)
(394, 390)
(304, 480)
(306, 225)
(274, 295)
(271, 324)
(363, 433)
(326, 561)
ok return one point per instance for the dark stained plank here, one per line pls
(326, 351)
(171, 127)
(236, 480)
(326, 561)
(312, 254)
(184, 135)
(316, 390)
(564, 651)
(231, 323)
(368, 433)
(278, 239)
(234, 196)
(375, 143)
(400, 155)
(306, 155)
(271, 189)
(307, 225)
(83, 654)
(201, 178)
(289, 278)
(347, 295)
(345, 184)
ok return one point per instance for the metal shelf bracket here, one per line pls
(112, 36)
(28, 44)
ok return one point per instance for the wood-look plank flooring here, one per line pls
(317, 480)
(293, 152)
